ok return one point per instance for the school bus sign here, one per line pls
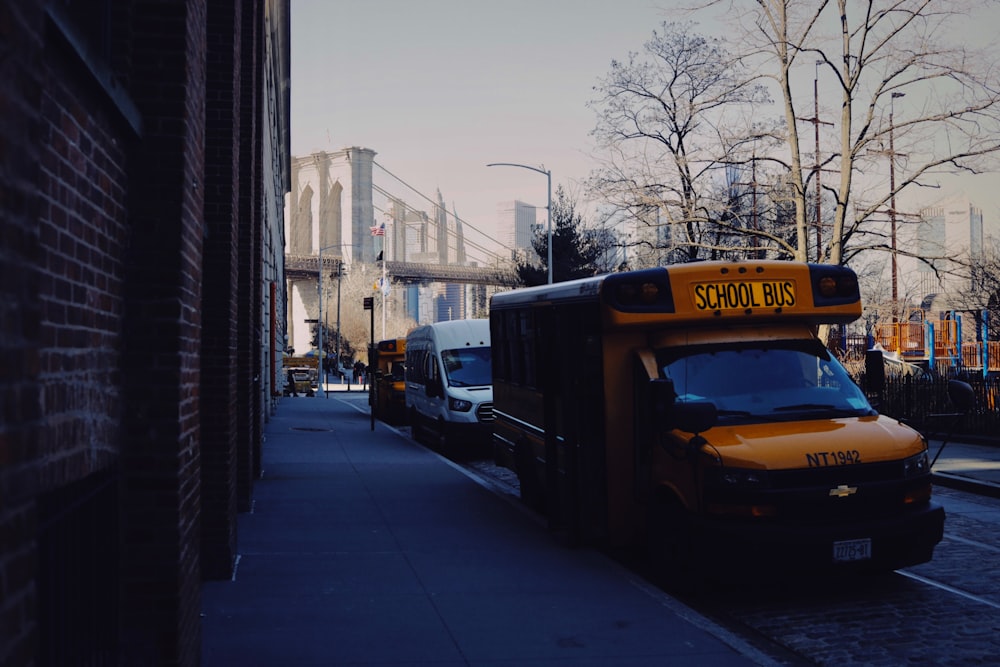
(744, 294)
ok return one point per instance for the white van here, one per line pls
(449, 385)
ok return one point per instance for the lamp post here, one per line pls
(336, 351)
(319, 289)
(548, 208)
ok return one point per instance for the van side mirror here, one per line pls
(434, 387)
(962, 396)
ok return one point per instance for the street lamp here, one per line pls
(548, 176)
(319, 289)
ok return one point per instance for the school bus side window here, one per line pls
(516, 362)
(501, 355)
(527, 352)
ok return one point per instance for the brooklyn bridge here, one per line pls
(501, 275)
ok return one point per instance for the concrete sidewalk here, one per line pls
(973, 467)
(364, 548)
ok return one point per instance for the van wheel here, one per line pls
(415, 427)
(441, 438)
(670, 547)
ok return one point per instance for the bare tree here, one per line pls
(667, 119)
(357, 282)
(980, 291)
(877, 51)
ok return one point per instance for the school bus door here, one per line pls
(571, 375)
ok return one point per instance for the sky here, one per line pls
(440, 88)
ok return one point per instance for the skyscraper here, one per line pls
(516, 225)
(945, 233)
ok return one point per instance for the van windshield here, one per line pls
(467, 367)
(777, 381)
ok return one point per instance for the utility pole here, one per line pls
(892, 201)
(893, 213)
(754, 222)
(340, 273)
(815, 120)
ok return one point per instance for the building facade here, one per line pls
(144, 167)
(517, 224)
(943, 234)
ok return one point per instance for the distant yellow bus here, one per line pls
(693, 409)
(389, 380)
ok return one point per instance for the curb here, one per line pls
(963, 483)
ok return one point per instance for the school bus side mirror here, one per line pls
(962, 396)
(661, 397)
(694, 417)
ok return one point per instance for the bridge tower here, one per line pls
(330, 208)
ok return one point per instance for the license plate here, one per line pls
(850, 550)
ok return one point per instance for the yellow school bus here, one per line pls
(694, 410)
(389, 381)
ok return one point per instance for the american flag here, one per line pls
(379, 230)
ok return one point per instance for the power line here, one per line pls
(435, 204)
(488, 255)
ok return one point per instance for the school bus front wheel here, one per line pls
(670, 554)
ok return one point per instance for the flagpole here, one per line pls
(385, 285)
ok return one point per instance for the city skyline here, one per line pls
(442, 88)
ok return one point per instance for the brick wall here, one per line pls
(21, 84)
(253, 390)
(163, 324)
(219, 358)
(135, 254)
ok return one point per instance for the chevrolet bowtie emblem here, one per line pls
(843, 491)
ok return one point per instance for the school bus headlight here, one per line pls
(728, 480)
(459, 405)
(738, 492)
(916, 465)
(739, 478)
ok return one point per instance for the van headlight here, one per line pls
(459, 405)
(916, 466)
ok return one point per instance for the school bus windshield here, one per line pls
(777, 381)
(467, 367)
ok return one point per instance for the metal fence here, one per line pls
(924, 403)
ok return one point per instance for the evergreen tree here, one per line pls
(577, 252)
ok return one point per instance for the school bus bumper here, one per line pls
(882, 543)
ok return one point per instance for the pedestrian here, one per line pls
(291, 383)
